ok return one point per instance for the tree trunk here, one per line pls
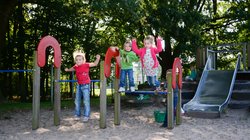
(21, 51)
(166, 61)
(6, 7)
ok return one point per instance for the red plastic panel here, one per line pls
(41, 50)
(107, 63)
(177, 65)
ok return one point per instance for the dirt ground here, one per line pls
(137, 123)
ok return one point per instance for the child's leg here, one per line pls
(157, 83)
(131, 78)
(150, 81)
(78, 101)
(153, 82)
(165, 123)
(175, 97)
(122, 78)
(86, 99)
(122, 81)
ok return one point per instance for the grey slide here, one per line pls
(212, 95)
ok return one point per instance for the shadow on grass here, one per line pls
(47, 105)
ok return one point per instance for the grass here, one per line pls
(18, 106)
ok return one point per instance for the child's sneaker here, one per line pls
(76, 117)
(132, 89)
(121, 89)
(158, 88)
(182, 112)
(85, 119)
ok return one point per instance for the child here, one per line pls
(83, 87)
(127, 57)
(148, 58)
(192, 76)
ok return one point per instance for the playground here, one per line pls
(136, 123)
(109, 121)
(188, 66)
(119, 120)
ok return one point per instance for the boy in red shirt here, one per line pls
(83, 87)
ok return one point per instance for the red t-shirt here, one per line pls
(82, 73)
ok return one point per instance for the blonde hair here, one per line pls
(128, 41)
(77, 53)
(150, 38)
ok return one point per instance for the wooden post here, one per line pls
(72, 85)
(248, 55)
(170, 104)
(199, 58)
(178, 107)
(103, 97)
(36, 95)
(93, 89)
(117, 103)
(57, 98)
(52, 85)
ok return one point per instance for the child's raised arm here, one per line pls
(134, 47)
(96, 61)
(158, 45)
(69, 69)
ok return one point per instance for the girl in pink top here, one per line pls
(148, 58)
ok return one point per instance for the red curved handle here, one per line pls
(177, 65)
(41, 51)
(107, 63)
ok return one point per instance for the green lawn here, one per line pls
(18, 106)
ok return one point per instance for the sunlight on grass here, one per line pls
(19, 106)
(108, 92)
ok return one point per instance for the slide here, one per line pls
(212, 95)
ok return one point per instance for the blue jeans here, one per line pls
(152, 82)
(124, 73)
(82, 91)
